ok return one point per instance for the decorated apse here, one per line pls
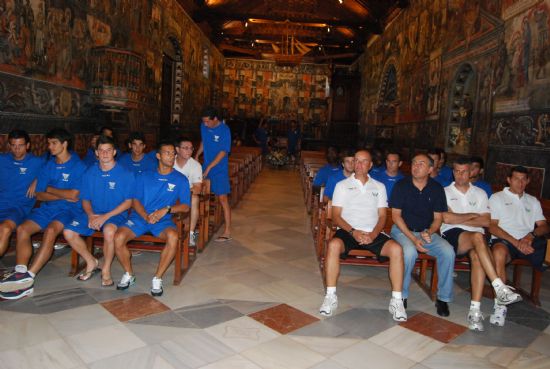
(468, 75)
(73, 62)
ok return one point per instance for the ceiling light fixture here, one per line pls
(341, 1)
(246, 24)
(328, 29)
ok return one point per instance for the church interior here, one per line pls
(466, 77)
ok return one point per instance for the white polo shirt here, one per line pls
(360, 203)
(473, 201)
(516, 215)
(192, 170)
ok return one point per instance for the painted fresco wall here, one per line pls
(254, 89)
(47, 59)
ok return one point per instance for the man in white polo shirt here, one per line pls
(359, 207)
(468, 212)
(192, 169)
(518, 227)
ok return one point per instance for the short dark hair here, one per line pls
(106, 128)
(105, 140)
(19, 133)
(463, 160)
(519, 169)
(62, 135)
(136, 136)
(347, 152)
(479, 160)
(433, 151)
(181, 139)
(210, 112)
(163, 143)
(393, 152)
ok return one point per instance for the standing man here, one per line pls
(293, 140)
(418, 204)
(463, 228)
(106, 194)
(190, 168)
(18, 170)
(391, 175)
(216, 144)
(359, 208)
(518, 227)
(58, 189)
(155, 201)
(136, 160)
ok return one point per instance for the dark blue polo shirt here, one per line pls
(418, 207)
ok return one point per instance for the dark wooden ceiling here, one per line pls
(332, 30)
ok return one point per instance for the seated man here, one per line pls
(57, 188)
(418, 204)
(332, 166)
(154, 202)
(463, 229)
(137, 161)
(444, 170)
(190, 168)
(391, 175)
(18, 170)
(348, 163)
(436, 174)
(106, 195)
(359, 209)
(90, 158)
(476, 174)
(377, 161)
(518, 228)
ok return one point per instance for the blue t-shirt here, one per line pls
(107, 189)
(374, 171)
(332, 181)
(156, 191)
(447, 173)
(388, 181)
(442, 180)
(90, 158)
(418, 207)
(66, 176)
(485, 186)
(324, 173)
(215, 140)
(15, 179)
(148, 162)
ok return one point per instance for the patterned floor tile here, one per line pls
(283, 318)
(165, 319)
(434, 327)
(511, 335)
(62, 300)
(209, 314)
(134, 307)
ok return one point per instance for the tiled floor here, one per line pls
(253, 303)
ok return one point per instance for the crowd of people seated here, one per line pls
(438, 210)
(121, 194)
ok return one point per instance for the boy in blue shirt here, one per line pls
(58, 189)
(18, 170)
(137, 161)
(348, 163)
(155, 200)
(436, 174)
(90, 158)
(391, 175)
(476, 175)
(106, 194)
(326, 171)
(216, 144)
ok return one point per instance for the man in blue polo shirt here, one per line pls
(136, 160)
(18, 170)
(391, 175)
(216, 145)
(436, 174)
(58, 189)
(106, 194)
(325, 172)
(155, 200)
(418, 204)
(476, 175)
(348, 163)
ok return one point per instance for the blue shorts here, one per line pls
(79, 224)
(139, 226)
(15, 214)
(536, 258)
(219, 183)
(45, 215)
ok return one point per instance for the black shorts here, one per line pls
(452, 235)
(351, 244)
(536, 258)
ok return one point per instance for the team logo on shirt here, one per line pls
(129, 223)
(375, 194)
(22, 170)
(171, 187)
(65, 177)
(75, 223)
(528, 210)
(453, 199)
(472, 203)
(112, 185)
(216, 138)
(507, 203)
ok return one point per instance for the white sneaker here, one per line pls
(397, 309)
(156, 287)
(126, 281)
(192, 239)
(330, 304)
(475, 320)
(506, 296)
(499, 315)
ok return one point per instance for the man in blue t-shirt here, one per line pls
(91, 158)
(348, 163)
(293, 139)
(476, 175)
(418, 203)
(58, 189)
(445, 171)
(436, 174)
(106, 194)
(216, 145)
(332, 167)
(155, 200)
(18, 172)
(137, 160)
(391, 175)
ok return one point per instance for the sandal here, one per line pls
(107, 282)
(84, 276)
(223, 239)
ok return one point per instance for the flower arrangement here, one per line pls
(277, 158)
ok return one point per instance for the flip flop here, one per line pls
(84, 276)
(107, 282)
(223, 239)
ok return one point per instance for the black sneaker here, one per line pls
(16, 295)
(16, 281)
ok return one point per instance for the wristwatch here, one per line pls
(169, 209)
(351, 231)
(532, 233)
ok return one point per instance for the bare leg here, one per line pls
(46, 248)
(122, 236)
(393, 250)
(79, 245)
(109, 231)
(332, 261)
(194, 212)
(23, 246)
(167, 254)
(6, 229)
(477, 276)
(224, 201)
(501, 256)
